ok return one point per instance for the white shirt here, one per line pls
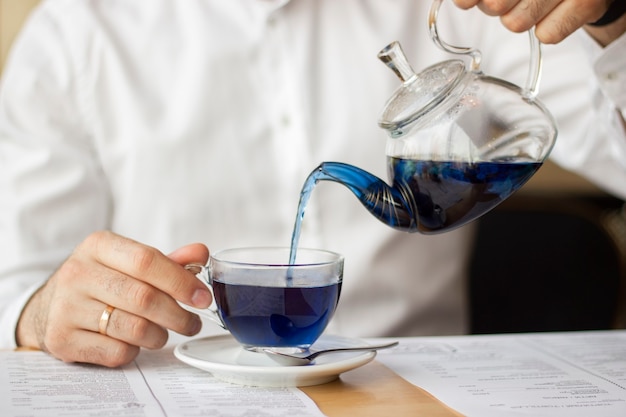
(173, 122)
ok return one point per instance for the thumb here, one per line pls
(193, 253)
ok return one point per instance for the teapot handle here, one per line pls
(531, 89)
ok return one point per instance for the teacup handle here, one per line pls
(202, 273)
(531, 89)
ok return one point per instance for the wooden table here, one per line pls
(375, 390)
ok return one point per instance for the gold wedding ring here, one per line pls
(104, 319)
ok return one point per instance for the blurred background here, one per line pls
(551, 258)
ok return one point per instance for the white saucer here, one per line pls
(227, 360)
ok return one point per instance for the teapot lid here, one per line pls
(419, 93)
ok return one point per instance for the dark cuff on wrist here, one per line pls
(614, 12)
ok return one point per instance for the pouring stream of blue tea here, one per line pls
(426, 196)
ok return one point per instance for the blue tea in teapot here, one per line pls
(459, 142)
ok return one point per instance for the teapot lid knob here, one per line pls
(393, 56)
(420, 93)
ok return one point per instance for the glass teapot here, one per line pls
(459, 141)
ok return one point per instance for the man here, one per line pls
(129, 129)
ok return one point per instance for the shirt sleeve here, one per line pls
(610, 70)
(52, 191)
(600, 154)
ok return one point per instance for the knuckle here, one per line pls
(495, 7)
(71, 269)
(145, 297)
(95, 240)
(117, 355)
(556, 31)
(143, 258)
(547, 37)
(182, 285)
(536, 10)
(516, 23)
(138, 328)
(55, 343)
(55, 330)
(465, 4)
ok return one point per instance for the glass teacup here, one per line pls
(266, 302)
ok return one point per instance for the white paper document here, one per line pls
(576, 374)
(32, 384)
(551, 374)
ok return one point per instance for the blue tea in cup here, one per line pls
(266, 301)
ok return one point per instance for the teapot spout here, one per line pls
(384, 202)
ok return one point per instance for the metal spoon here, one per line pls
(305, 358)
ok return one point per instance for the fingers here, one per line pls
(68, 316)
(489, 7)
(134, 296)
(147, 264)
(142, 281)
(525, 14)
(196, 252)
(566, 18)
(87, 347)
(554, 19)
(126, 327)
(69, 331)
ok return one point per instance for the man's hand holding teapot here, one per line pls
(554, 20)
